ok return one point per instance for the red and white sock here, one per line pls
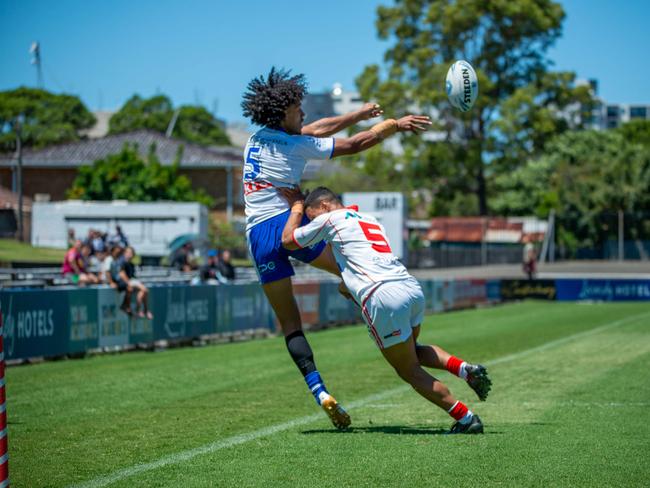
(456, 366)
(460, 412)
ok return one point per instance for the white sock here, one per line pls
(467, 418)
(323, 395)
(461, 371)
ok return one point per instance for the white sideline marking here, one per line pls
(228, 442)
(572, 403)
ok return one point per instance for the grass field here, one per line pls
(12, 250)
(570, 406)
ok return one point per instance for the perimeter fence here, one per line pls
(64, 321)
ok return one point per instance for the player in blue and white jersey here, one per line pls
(275, 158)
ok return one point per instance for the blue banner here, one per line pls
(603, 290)
(493, 288)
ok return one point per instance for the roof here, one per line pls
(473, 229)
(80, 153)
(488, 229)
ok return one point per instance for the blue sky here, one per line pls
(206, 51)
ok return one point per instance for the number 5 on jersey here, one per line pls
(374, 234)
(252, 166)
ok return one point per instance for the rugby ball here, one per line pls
(462, 85)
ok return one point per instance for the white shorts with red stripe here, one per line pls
(392, 310)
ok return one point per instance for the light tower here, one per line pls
(35, 51)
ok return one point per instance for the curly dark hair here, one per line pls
(266, 100)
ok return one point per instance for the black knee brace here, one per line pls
(300, 352)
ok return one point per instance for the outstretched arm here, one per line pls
(331, 125)
(368, 138)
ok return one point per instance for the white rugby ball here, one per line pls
(462, 85)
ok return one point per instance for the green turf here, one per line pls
(12, 250)
(571, 412)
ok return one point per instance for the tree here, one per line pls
(193, 124)
(126, 176)
(535, 113)
(48, 118)
(636, 131)
(506, 41)
(583, 176)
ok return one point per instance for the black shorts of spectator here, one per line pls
(126, 280)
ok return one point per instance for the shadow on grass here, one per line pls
(382, 429)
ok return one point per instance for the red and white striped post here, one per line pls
(4, 447)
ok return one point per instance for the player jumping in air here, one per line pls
(274, 158)
(391, 300)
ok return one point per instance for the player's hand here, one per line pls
(292, 195)
(370, 110)
(413, 123)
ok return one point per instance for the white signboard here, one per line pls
(389, 208)
(149, 226)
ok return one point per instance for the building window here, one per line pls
(613, 111)
(638, 112)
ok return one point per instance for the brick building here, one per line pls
(51, 170)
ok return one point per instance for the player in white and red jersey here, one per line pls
(391, 300)
(274, 158)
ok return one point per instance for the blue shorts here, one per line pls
(271, 260)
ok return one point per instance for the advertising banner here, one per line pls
(493, 290)
(242, 307)
(181, 311)
(427, 290)
(200, 310)
(83, 319)
(520, 289)
(603, 290)
(307, 297)
(113, 322)
(333, 307)
(36, 322)
(457, 294)
(168, 307)
(433, 294)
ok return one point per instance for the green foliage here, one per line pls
(585, 172)
(581, 175)
(636, 131)
(378, 170)
(194, 123)
(550, 105)
(126, 176)
(224, 236)
(48, 118)
(519, 107)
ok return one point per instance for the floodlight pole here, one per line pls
(172, 123)
(229, 195)
(621, 249)
(19, 175)
(484, 249)
(551, 242)
(35, 50)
